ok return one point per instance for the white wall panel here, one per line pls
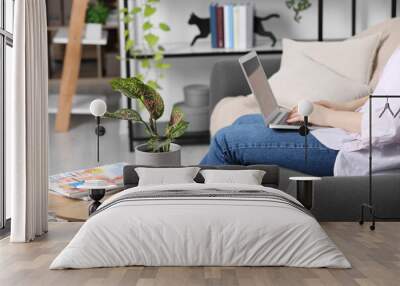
(7, 92)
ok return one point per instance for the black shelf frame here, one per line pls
(320, 30)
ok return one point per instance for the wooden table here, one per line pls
(69, 209)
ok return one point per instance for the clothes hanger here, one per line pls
(397, 114)
(387, 107)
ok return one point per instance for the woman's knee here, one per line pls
(220, 137)
(249, 119)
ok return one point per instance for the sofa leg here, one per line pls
(372, 213)
(362, 215)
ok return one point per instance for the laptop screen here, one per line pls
(259, 85)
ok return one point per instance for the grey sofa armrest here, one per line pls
(227, 78)
(340, 198)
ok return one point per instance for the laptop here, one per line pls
(275, 115)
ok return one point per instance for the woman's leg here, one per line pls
(247, 144)
(250, 119)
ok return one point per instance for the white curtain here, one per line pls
(27, 123)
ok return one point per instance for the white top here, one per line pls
(353, 157)
(301, 179)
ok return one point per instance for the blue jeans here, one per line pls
(248, 141)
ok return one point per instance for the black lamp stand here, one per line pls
(304, 188)
(97, 194)
(100, 131)
(304, 131)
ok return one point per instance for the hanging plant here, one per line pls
(147, 51)
(298, 6)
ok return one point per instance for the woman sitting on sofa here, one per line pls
(340, 150)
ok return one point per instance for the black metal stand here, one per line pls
(96, 195)
(100, 131)
(370, 205)
(304, 193)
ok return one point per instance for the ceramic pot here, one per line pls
(171, 158)
(93, 31)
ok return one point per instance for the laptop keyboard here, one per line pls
(283, 121)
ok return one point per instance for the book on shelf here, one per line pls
(213, 25)
(228, 26)
(220, 27)
(236, 26)
(246, 19)
(68, 184)
(232, 25)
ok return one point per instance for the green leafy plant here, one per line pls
(147, 50)
(298, 6)
(149, 97)
(97, 13)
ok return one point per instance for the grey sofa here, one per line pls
(335, 198)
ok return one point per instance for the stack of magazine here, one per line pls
(68, 184)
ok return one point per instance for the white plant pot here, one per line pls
(171, 158)
(93, 31)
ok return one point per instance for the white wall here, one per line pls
(9, 11)
(337, 25)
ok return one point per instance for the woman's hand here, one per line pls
(323, 116)
(317, 117)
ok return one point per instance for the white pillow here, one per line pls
(166, 176)
(307, 79)
(353, 58)
(247, 177)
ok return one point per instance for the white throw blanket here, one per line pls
(245, 225)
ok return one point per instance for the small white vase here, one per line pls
(93, 31)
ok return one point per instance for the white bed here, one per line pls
(269, 228)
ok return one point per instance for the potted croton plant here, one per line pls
(96, 16)
(159, 149)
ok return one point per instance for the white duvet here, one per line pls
(200, 231)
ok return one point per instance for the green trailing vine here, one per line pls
(149, 46)
(298, 6)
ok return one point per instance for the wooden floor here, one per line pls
(375, 257)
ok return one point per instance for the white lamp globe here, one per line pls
(98, 107)
(305, 108)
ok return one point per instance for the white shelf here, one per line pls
(203, 48)
(61, 37)
(80, 103)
